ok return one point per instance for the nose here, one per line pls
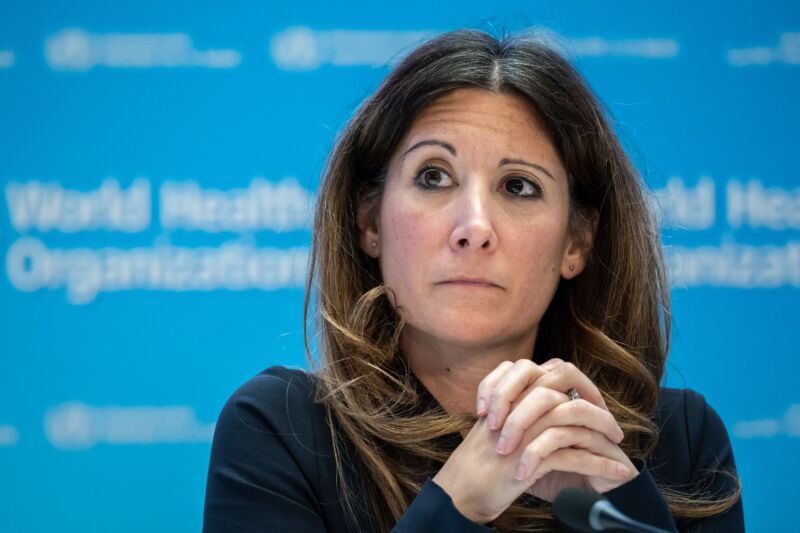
(473, 229)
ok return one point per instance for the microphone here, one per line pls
(588, 511)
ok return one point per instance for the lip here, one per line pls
(470, 282)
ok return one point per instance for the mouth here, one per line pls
(470, 282)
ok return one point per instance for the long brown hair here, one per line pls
(612, 321)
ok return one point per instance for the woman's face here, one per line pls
(472, 229)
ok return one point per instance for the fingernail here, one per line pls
(623, 471)
(492, 421)
(481, 406)
(501, 445)
(522, 473)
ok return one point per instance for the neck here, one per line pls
(452, 372)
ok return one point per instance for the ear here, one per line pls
(579, 247)
(366, 220)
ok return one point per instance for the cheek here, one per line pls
(406, 247)
(538, 252)
(539, 249)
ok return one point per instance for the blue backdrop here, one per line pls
(159, 161)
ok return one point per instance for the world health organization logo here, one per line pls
(77, 426)
(78, 50)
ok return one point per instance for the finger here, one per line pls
(516, 379)
(582, 414)
(531, 417)
(487, 384)
(581, 462)
(547, 365)
(556, 438)
(534, 405)
(564, 375)
(551, 363)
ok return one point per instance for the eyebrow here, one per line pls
(450, 148)
(526, 163)
(435, 142)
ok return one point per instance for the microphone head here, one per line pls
(573, 505)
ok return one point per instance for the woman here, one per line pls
(494, 322)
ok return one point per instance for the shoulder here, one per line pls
(691, 436)
(686, 413)
(272, 459)
(276, 391)
(278, 404)
(693, 457)
(676, 407)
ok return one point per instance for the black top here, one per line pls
(272, 466)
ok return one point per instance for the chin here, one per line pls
(470, 334)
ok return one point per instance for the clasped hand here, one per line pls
(531, 437)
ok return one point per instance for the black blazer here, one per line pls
(272, 467)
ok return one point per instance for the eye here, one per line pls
(522, 187)
(430, 177)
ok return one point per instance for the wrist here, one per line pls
(462, 504)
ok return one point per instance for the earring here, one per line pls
(572, 268)
(374, 243)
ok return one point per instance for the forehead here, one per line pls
(482, 104)
(505, 120)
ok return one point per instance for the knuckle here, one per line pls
(566, 432)
(540, 394)
(557, 433)
(576, 457)
(553, 395)
(578, 407)
(584, 405)
(585, 460)
(610, 467)
(545, 467)
(531, 454)
(512, 424)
